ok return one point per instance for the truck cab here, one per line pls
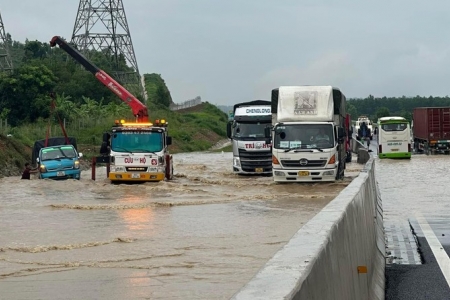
(57, 158)
(363, 119)
(308, 134)
(138, 152)
(246, 129)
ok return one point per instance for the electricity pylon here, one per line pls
(102, 25)
(5, 57)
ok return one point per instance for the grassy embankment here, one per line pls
(195, 129)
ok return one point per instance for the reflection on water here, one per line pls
(201, 236)
(416, 185)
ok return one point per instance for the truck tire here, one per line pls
(349, 157)
(340, 172)
(169, 167)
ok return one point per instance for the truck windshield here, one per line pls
(304, 136)
(137, 141)
(249, 131)
(58, 152)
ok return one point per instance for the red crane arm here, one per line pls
(139, 109)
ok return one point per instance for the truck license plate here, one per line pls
(259, 170)
(303, 173)
(394, 150)
(60, 173)
(135, 175)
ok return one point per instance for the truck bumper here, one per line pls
(61, 175)
(263, 171)
(285, 175)
(136, 176)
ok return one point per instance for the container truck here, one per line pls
(251, 154)
(431, 130)
(309, 133)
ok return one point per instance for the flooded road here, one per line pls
(419, 185)
(202, 236)
(415, 197)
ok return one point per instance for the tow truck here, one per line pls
(132, 151)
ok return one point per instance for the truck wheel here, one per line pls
(169, 168)
(339, 172)
(349, 157)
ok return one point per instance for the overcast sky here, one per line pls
(232, 51)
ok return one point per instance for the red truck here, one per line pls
(431, 130)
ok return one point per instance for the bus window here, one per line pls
(394, 127)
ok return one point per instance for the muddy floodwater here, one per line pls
(202, 236)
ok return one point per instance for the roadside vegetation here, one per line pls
(378, 107)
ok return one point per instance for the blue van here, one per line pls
(59, 162)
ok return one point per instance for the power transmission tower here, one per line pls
(5, 58)
(101, 25)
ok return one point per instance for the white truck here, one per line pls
(308, 133)
(251, 154)
(358, 123)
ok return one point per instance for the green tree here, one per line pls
(26, 93)
(383, 112)
(157, 91)
(352, 111)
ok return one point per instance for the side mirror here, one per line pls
(267, 132)
(168, 140)
(268, 141)
(229, 130)
(341, 133)
(37, 160)
(106, 137)
(106, 143)
(80, 155)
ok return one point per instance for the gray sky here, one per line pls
(232, 51)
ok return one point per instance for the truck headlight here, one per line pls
(279, 173)
(236, 162)
(328, 173)
(42, 169)
(76, 164)
(117, 169)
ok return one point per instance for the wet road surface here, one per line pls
(202, 236)
(417, 222)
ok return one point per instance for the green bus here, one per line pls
(394, 138)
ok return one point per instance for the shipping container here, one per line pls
(431, 129)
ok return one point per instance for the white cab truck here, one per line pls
(308, 133)
(369, 124)
(251, 153)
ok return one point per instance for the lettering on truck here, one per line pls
(129, 160)
(115, 89)
(258, 110)
(257, 145)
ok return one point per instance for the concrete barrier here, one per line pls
(363, 156)
(338, 254)
(356, 145)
